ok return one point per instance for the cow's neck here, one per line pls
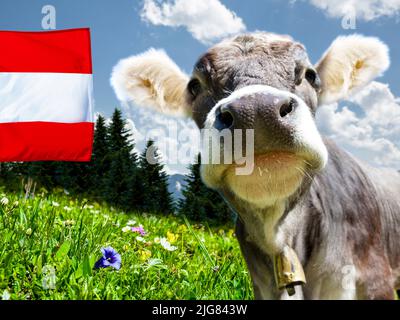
(263, 227)
(276, 232)
(270, 228)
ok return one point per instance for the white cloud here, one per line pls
(372, 133)
(364, 9)
(206, 20)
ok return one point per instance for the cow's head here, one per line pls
(259, 81)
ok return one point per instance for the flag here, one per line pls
(46, 101)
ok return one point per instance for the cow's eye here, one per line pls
(313, 78)
(194, 87)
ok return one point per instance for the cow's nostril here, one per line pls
(224, 119)
(287, 108)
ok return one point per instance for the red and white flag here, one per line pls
(46, 101)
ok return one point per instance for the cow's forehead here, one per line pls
(257, 39)
(242, 59)
(255, 45)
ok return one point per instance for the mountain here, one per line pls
(176, 183)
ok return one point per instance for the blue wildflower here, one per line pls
(110, 258)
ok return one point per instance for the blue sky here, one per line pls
(119, 31)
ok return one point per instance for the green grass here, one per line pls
(54, 232)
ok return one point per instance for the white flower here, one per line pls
(131, 223)
(126, 229)
(6, 295)
(55, 204)
(66, 208)
(4, 201)
(166, 245)
(140, 239)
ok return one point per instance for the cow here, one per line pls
(330, 221)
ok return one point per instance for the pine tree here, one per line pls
(100, 161)
(122, 185)
(201, 203)
(9, 173)
(72, 176)
(41, 172)
(157, 198)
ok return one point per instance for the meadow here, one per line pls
(49, 245)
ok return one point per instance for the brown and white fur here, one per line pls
(340, 216)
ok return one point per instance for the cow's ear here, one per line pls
(349, 64)
(151, 79)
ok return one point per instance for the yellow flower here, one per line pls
(172, 237)
(126, 247)
(182, 228)
(144, 254)
(28, 232)
(231, 232)
(170, 294)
